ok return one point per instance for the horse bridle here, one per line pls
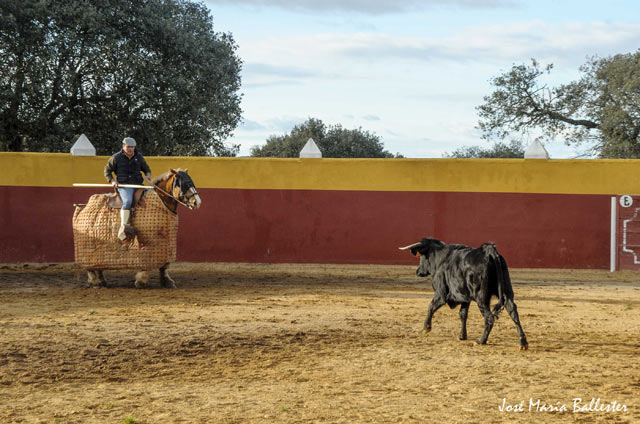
(186, 187)
(174, 184)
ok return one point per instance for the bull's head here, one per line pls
(424, 249)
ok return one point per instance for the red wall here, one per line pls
(309, 226)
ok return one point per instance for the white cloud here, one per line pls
(248, 125)
(280, 71)
(425, 84)
(335, 55)
(253, 83)
(284, 124)
(373, 7)
(490, 43)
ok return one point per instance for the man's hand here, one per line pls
(147, 178)
(114, 183)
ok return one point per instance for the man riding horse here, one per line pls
(97, 247)
(127, 165)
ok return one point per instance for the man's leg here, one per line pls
(126, 194)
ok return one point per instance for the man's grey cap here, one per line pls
(128, 141)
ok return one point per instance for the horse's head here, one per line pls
(185, 190)
(176, 186)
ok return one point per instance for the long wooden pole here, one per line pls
(109, 185)
(130, 186)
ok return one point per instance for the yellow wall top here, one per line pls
(574, 176)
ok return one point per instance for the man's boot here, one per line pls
(124, 220)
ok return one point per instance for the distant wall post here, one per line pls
(83, 147)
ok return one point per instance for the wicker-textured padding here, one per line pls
(95, 229)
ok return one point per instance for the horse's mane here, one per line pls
(164, 177)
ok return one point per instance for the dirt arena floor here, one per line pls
(238, 343)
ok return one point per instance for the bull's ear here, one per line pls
(173, 171)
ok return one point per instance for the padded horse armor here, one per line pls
(95, 227)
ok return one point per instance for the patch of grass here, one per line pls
(93, 312)
(130, 420)
(283, 409)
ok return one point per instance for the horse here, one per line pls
(152, 245)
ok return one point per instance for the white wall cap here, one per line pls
(83, 147)
(310, 150)
(536, 151)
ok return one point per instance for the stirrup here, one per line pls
(128, 232)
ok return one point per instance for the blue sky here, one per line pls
(411, 71)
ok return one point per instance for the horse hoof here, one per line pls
(169, 285)
(481, 342)
(524, 347)
(462, 337)
(142, 278)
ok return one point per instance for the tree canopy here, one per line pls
(515, 149)
(333, 141)
(600, 109)
(154, 70)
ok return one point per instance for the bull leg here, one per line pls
(165, 279)
(464, 312)
(488, 322)
(513, 311)
(436, 303)
(497, 309)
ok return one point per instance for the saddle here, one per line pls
(115, 202)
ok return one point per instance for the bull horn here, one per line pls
(411, 246)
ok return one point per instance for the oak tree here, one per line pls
(601, 109)
(334, 141)
(154, 70)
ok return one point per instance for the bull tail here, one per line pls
(497, 260)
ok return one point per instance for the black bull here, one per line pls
(462, 274)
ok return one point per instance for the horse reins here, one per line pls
(173, 187)
(169, 195)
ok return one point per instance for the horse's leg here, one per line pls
(142, 278)
(101, 280)
(165, 279)
(96, 278)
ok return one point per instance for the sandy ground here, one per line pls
(239, 343)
